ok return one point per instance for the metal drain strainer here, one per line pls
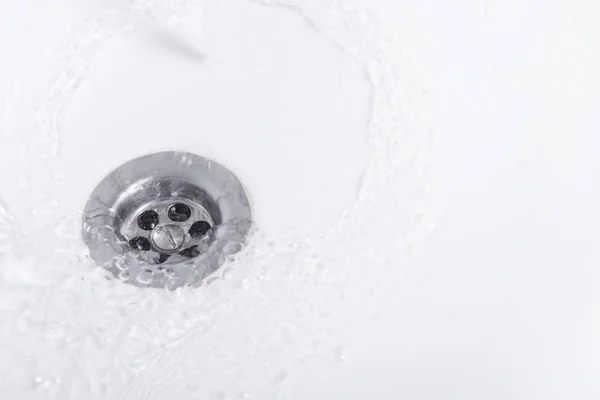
(166, 220)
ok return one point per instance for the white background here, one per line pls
(504, 302)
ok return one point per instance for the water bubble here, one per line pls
(144, 277)
(231, 248)
(174, 282)
(122, 264)
(87, 228)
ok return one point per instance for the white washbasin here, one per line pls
(422, 178)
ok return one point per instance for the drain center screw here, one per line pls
(168, 237)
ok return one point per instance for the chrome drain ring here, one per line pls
(166, 220)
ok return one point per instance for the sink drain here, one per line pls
(166, 220)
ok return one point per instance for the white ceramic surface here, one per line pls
(493, 290)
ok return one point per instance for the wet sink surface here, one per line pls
(421, 178)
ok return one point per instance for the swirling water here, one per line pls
(68, 331)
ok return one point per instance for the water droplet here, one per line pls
(232, 248)
(122, 264)
(144, 277)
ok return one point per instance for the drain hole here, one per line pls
(199, 229)
(148, 220)
(169, 224)
(140, 243)
(191, 252)
(162, 258)
(179, 212)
